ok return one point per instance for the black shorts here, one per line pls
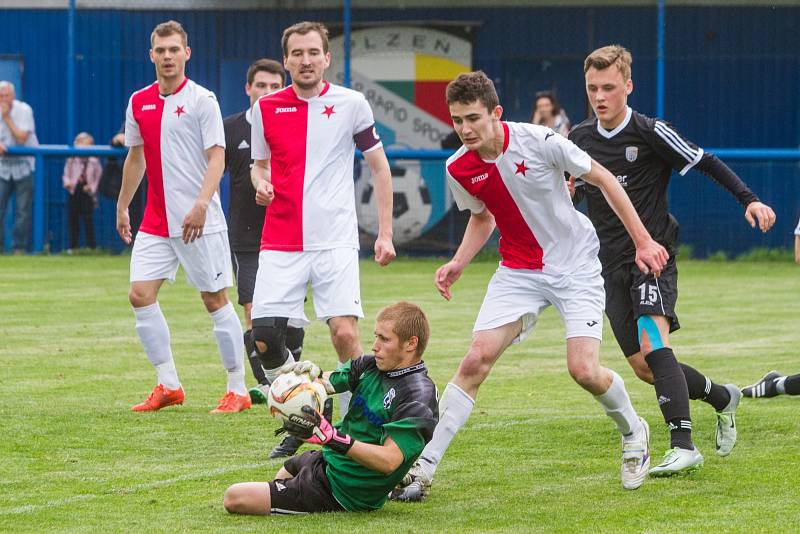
(245, 267)
(631, 294)
(308, 491)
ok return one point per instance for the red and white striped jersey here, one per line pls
(175, 130)
(524, 189)
(310, 145)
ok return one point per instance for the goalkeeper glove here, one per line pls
(313, 370)
(315, 429)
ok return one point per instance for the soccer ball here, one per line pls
(411, 203)
(290, 392)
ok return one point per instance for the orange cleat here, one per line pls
(161, 397)
(232, 402)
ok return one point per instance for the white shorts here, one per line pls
(283, 277)
(206, 261)
(524, 294)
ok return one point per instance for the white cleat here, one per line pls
(726, 422)
(678, 461)
(414, 487)
(635, 457)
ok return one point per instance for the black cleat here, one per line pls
(764, 388)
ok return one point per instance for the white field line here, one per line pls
(130, 489)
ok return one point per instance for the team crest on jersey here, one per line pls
(631, 153)
(388, 398)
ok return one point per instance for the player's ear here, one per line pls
(497, 112)
(188, 53)
(152, 56)
(628, 86)
(411, 344)
(327, 59)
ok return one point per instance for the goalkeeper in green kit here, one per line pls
(391, 417)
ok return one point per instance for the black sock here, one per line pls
(792, 385)
(294, 341)
(701, 387)
(673, 395)
(252, 357)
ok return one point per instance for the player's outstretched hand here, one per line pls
(384, 251)
(193, 223)
(651, 257)
(264, 193)
(446, 276)
(317, 430)
(306, 366)
(124, 226)
(761, 213)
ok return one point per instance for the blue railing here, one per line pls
(40, 152)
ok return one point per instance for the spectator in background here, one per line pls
(548, 112)
(16, 172)
(81, 178)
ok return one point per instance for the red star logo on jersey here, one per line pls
(179, 110)
(521, 168)
(328, 111)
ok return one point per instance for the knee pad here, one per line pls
(645, 323)
(270, 331)
(249, 342)
(294, 341)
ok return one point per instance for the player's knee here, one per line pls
(476, 364)
(582, 372)
(642, 370)
(214, 301)
(140, 297)
(344, 335)
(269, 335)
(234, 501)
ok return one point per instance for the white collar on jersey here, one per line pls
(609, 134)
(248, 115)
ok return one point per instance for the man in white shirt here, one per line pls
(16, 172)
(174, 129)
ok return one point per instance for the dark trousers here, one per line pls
(80, 206)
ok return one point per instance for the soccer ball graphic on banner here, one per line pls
(290, 392)
(411, 208)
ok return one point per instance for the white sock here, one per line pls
(230, 342)
(151, 326)
(454, 409)
(618, 406)
(344, 402)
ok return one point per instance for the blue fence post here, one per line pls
(38, 205)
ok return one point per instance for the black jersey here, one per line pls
(642, 153)
(400, 404)
(245, 217)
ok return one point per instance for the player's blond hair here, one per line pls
(604, 57)
(303, 28)
(470, 87)
(408, 321)
(170, 27)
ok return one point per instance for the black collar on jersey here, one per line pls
(407, 370)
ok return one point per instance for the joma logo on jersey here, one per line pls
(285, 110)
(479, 178)
(148, 107)
(372, 417)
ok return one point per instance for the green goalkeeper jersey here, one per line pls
(400, 404)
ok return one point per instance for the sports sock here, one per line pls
(230, 342)
(673, 396)
(455, 407)
(272, 374)
(294, 341)
(791, 385)
(618, 407)
(252, 357)
(701, 387)
(151, 326)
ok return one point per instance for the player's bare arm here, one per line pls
(132, 174)
(195, 220)
(797, 249)
(479, 229)
(384, 458)
(761, 214)
(382, 180)
(261, 177)
(650, 256)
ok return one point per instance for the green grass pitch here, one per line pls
(537, 455)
